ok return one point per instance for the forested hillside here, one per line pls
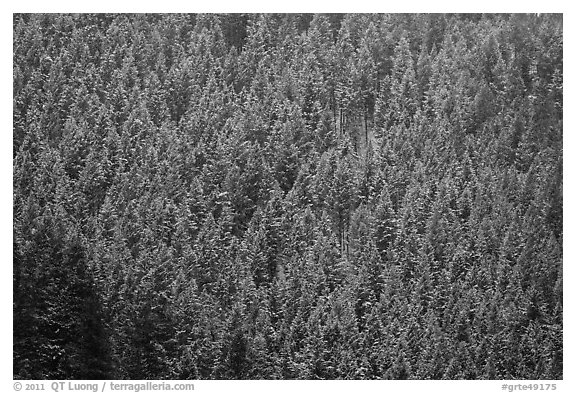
(287, 196)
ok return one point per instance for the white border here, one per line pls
(567, 385)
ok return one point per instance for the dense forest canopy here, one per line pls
(289, 196)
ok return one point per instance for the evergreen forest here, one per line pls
(287, 196)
